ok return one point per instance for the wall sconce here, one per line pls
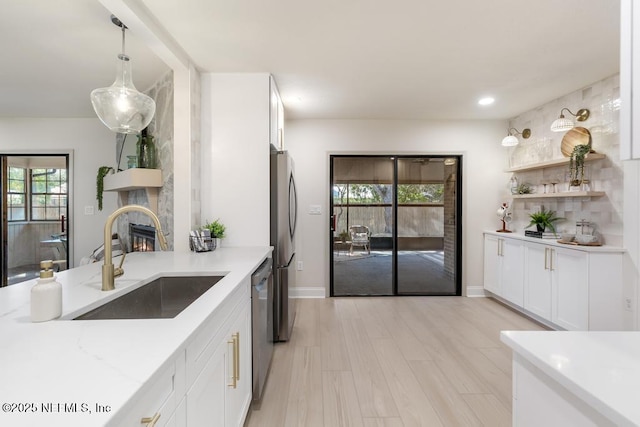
(120, 106)
(511, 141)
(562, 124)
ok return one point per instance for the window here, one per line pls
(420, 193)
(48, 194)
(16, 206)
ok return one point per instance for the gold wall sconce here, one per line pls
(511, 141)
(562, 124)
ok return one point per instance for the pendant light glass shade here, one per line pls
(120, 106)
(509, 141)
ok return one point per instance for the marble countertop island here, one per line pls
(601, 369)
(85, 371)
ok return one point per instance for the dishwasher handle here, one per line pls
(263, 272)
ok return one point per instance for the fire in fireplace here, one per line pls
(142, 238)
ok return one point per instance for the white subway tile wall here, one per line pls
(603, 100)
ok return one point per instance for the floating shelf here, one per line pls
(135, 179)
(560, 195)
(556, 162)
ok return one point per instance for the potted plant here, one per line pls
(216, 228)
(344, 236)
(576, 164)
(543, 219)
(102, 172)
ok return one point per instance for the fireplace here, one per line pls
(142, 238)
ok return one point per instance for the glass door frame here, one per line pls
(4, 155)
(394, 231)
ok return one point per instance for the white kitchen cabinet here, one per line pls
(565, 286)
(276, 116)
(492, 264)
(220, 395)
(504, 268)
(537, 290)
(570, 289)
(156, 402)
(556, 285)
(539, 400)
(238, 396)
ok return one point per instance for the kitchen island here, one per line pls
(116, 372)
(575, 378)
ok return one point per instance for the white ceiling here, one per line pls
(402, 59)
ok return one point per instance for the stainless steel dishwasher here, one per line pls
(261, 325)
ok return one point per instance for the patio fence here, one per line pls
(413, 221)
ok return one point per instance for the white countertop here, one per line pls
(554, 242)
(601, 368)
(102, 361)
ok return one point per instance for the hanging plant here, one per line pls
(102, 172)
(576, 163)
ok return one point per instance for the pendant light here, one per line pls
(120, 106)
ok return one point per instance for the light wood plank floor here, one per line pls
(391, 362)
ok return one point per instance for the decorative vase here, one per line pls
(132, 162)
(146, 150)
(540, 228)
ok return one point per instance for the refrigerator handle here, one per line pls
(288, 264)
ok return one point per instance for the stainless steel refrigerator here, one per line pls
(283, 227)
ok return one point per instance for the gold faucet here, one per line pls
(109, 273)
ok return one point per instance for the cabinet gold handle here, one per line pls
(236, 353)
(546, 262)
(234, 380)
(150, 421)
(551, 251)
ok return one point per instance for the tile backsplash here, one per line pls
(603, 100)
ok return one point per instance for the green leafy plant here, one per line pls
(543, 219)
(102, 172)
(524, 188)
(344, 236)
(216, 228)
(576, 163)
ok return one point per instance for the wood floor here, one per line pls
(392, 361)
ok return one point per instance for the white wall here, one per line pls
(310, 142)
(235, 155)
(93, 145)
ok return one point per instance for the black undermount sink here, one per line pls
(163, 298)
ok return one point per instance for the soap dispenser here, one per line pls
(46, 295)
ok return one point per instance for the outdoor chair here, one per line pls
(360, 235)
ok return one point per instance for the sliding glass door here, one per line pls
(395, 227)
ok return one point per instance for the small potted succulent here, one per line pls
(216, 228)
(543, 219)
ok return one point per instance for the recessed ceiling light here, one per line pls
(486, 101)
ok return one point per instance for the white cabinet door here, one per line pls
(238, 396)
(570, 287)
(537, 292)
(492, 247)
(512, 281)
(206, 398)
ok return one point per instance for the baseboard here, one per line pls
(476, 291)
(307, 292)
